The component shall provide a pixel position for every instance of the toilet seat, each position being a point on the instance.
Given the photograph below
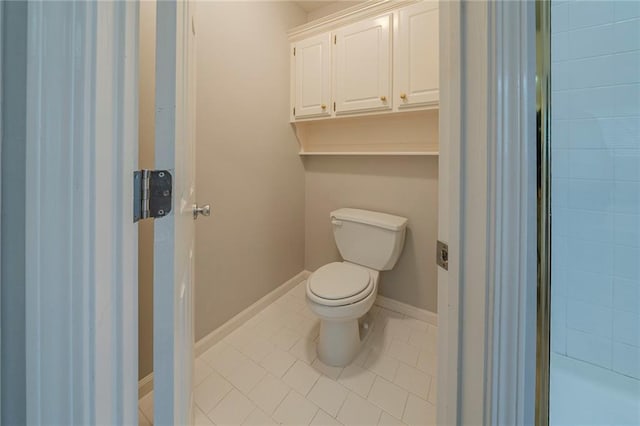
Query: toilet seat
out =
(340, 283)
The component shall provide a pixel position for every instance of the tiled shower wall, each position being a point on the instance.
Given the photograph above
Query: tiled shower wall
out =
(595, 143)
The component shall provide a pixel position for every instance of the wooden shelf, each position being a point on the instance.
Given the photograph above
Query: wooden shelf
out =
(393, 134)
(373, 153)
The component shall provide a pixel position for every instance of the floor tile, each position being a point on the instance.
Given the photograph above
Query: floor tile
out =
(260, 374)
(201, 371)
(416, 324)
(145, 404)
(213, 352)
(295, 410)
(328, 395)
(246, 375)
(387, 419)
(362, 356)
(234, 409)
(226, 361)
(398, 329)
(142, 419)
(201, 419)
(259, 418)
(305, 350)
(323, 419)
(413, 380)
(403, 352)
(419, 412)
(211, 391)
(428, 362)
(269, 393)
(358, 411)
(257, 348)
(301, 377)
(285, 339)
(391, 398)
(357, 379)
(382, 365)
(328, 370)
(278, 362)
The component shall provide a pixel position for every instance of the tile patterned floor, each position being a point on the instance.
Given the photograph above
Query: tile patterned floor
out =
(266, 373)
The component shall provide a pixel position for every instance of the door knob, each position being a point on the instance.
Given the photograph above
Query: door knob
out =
(204, 210)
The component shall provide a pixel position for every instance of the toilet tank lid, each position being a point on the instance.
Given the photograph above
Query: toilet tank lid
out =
(382, 220)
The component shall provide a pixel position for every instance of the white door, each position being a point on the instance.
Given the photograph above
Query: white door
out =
(363, 66)
(417, 56)
(173, 336)
(312, 59)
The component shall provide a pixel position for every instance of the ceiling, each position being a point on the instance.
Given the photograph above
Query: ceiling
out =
(311, 5)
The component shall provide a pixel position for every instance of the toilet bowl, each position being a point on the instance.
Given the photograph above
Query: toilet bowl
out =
(341, 293)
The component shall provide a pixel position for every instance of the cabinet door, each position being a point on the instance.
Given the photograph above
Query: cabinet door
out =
(363, 66)
(416, 60)
(313, 77)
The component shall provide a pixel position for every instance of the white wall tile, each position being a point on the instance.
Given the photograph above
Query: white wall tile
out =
(587, 194)
(590, 257)
(626, 327)
(626, 295)
(589, 347)
(626, 359)
(596, 289)
(590, 13)
(590, 225)
(624, 10)
(589, 163)
(591, 41)
(589, 318)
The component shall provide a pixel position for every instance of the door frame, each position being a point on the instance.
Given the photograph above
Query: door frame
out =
(487, 336)
(81, 242)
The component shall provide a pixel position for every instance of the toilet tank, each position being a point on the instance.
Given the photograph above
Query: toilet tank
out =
(368, 238)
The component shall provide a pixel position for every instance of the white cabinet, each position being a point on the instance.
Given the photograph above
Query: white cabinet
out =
(362, 55)
(312, 69)
(416, 56)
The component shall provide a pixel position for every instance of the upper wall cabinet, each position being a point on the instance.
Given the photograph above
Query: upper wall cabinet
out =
(312, 83)
(416, 56)
(363, 66)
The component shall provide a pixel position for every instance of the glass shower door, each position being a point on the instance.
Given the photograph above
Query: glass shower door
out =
(595, 210)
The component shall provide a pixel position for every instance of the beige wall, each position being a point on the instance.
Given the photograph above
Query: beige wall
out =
(247, 163)
(146, 134)
(406, 186)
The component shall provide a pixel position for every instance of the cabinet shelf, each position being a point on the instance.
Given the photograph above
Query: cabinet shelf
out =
(402, 133)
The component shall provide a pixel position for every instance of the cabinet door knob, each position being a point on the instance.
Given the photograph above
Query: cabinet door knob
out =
(383, 98)
(403, 96)
(323, 106)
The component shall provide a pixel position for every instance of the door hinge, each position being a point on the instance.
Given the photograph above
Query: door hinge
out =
(334, 107)
(335, 39)
(152, 194)
(294, 51)
(442, 253)
(294, 111)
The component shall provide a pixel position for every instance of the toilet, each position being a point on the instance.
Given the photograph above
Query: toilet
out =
(341, 293)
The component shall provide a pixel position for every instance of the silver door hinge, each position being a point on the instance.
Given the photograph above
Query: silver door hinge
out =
(152, 194)
(442, 253)
(294, 51)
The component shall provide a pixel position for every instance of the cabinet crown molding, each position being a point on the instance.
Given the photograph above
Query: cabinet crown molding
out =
(347, 16)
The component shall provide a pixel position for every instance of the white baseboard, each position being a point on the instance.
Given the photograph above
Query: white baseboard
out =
(225, 329)
(408, 310)
(145, 385)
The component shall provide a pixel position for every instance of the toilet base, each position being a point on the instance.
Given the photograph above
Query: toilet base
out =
(340, 341)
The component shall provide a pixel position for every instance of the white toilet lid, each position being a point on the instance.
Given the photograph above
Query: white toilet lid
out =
(337, 280)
